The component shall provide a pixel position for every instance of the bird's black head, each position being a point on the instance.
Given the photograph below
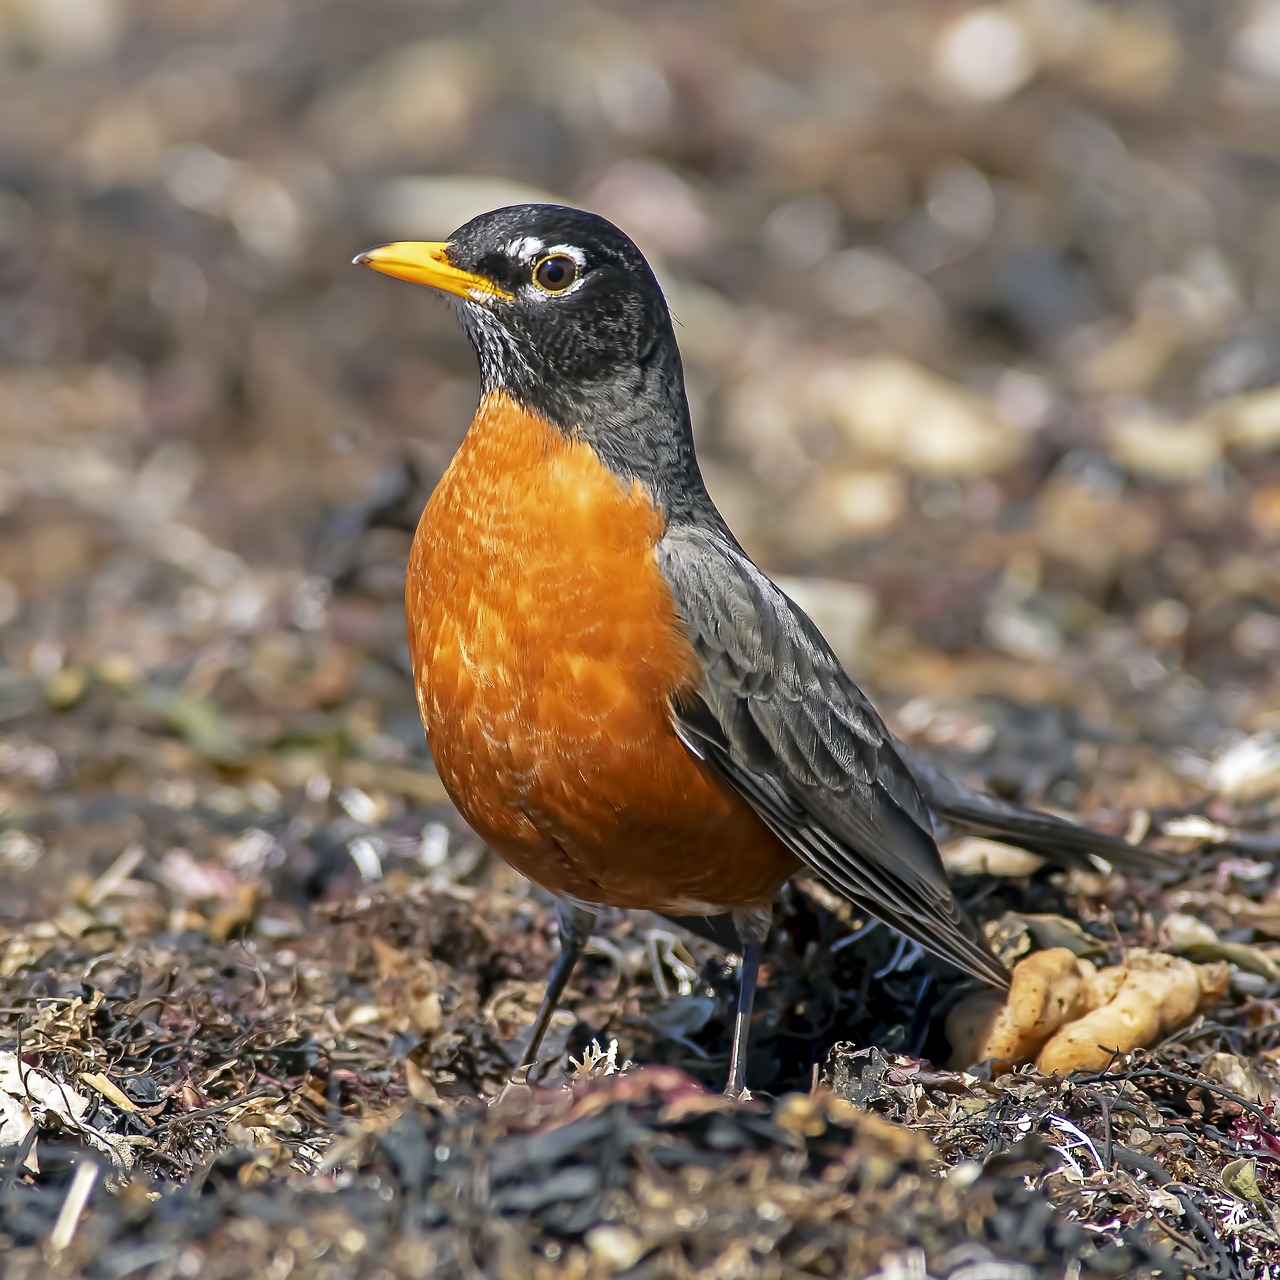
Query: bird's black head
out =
(567, 318)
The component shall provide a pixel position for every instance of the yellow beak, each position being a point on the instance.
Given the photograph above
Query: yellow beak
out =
(427, 262)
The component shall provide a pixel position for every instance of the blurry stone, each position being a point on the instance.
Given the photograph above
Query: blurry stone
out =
(873, 286)
(1058, 29)
(657, 208)
(800, 233)
(610, 80)
(1129, 360)
(65, 687)
(1264, 515)
(707, 324)
(895, 409)
(1133, 53)
(1179, 931)
(19, 851)
(853, 502)
(196, 881)
(124, 145)
(266, 215)
(1095, 526)
(1022, 399)
(430, 208)
(1249, 770)
(1021, 633)
(844, 612)
(875, 187)
(974, 856)
(984, 54)
(69, 30)
(1251, 421)
(1257, 634)
(199, 178)
(412, 104)
(178, 286)
(1042, 293)
(762, 410)
(1256, 47)
(1164, 621)
(1148, 445)
(961, 202)
(615, 1248)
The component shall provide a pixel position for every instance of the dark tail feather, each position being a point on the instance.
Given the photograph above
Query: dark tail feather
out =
(1063, 843)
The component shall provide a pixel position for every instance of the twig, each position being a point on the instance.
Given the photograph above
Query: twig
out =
(1208, 1085)
(78, 1194)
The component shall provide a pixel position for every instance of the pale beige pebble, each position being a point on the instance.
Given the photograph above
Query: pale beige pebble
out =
(266, 215)
(1179, 931)
(1256, 45)
(124, 144)
(66, 30)
(844, 504)
(1249, 770)
(1134, 54)
(1127, 361)
(661, 210)
(984, 55)
(1251, 421)
(889, 407)
(1148, 445)
(416, 101)
(1047, 990)
(1095, 530)
(431, 208)
(615, 1248)
(976, 856)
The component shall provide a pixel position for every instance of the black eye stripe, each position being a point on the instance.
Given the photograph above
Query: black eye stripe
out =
(555, 273)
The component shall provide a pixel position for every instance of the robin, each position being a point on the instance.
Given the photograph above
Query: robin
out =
(617, 699)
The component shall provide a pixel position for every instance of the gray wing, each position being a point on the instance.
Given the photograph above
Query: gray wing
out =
(1062, 843)
(783, 725)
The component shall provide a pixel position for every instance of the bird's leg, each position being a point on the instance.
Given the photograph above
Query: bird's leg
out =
(576, 924)
(753, 929)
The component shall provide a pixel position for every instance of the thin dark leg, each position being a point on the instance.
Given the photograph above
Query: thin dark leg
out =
(753, 928)
(576, 924)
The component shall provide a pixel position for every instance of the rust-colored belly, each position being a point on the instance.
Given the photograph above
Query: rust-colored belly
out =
(546, 649)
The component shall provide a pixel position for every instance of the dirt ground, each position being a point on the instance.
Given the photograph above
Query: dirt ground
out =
(980, 311)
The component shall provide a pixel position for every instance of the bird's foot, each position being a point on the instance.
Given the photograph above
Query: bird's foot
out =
(517, 1089)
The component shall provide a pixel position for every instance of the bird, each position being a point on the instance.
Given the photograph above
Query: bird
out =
(616, 698)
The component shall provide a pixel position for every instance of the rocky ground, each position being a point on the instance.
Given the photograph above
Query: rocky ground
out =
(979, 306)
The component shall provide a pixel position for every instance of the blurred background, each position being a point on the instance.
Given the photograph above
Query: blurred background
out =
(979, 309)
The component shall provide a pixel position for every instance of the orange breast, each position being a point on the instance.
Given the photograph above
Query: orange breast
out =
(546, 648)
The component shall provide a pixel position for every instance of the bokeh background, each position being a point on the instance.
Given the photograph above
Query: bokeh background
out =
(980, 306)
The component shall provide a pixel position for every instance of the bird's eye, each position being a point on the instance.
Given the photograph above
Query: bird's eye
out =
(556, 273)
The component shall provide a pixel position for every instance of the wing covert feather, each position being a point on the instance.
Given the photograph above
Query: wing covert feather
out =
(777, 717)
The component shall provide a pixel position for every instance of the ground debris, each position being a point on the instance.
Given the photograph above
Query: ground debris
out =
(977, 304)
